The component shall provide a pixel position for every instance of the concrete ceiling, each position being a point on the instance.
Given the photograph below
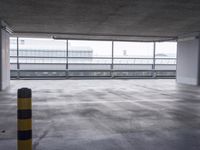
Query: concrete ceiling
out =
(102, 19)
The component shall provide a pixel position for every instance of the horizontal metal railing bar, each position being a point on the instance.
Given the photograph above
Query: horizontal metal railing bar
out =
(47, 51)
(122, 70)
(101, 70)
(89, 77)
(92, 57)
(85, 64)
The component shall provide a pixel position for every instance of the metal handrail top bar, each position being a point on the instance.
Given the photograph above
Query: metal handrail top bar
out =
(91, 64)
(88, 57)
(93, 70)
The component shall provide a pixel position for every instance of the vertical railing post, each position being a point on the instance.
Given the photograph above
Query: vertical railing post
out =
(24, 119)
(154, 61)
(18, 67)
(112, 60)
(67, 61)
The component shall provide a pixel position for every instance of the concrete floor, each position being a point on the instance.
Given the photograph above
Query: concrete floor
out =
(106, 115)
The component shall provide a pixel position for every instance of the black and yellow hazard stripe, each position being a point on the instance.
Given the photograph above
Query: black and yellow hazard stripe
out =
(24, 123)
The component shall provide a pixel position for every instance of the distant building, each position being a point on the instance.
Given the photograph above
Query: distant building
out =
(45, 51)
(161, 55)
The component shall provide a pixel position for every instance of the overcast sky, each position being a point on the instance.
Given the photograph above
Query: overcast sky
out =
(101, 48)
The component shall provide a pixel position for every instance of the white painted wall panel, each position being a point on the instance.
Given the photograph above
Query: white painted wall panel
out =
(188, 62)
(4, 60)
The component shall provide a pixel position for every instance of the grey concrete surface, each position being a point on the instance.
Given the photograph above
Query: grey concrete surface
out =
(106, 115)
(4, 59)
(188, 62)
(103, 17)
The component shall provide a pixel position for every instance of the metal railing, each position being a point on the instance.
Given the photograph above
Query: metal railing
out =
(63, 65)
(41, 67)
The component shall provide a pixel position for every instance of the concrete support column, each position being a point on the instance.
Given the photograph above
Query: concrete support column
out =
(188, 60)
(4, 58)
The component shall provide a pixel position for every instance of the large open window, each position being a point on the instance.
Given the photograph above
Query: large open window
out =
(89, 58)
(40, 57)
(166, 55)
(133, 55)
(91, 54)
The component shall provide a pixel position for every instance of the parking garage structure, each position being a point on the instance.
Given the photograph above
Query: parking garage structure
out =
(88, 97)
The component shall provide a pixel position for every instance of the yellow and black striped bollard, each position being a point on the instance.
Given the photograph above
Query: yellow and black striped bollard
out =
(24, 122)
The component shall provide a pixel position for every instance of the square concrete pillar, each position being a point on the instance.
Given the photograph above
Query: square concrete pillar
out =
(188, 60)
(4, 58)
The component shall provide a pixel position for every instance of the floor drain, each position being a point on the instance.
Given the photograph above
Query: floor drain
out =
(3, 131)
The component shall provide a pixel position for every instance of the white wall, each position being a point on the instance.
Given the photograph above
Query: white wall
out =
(4, 60)
(188, 61)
